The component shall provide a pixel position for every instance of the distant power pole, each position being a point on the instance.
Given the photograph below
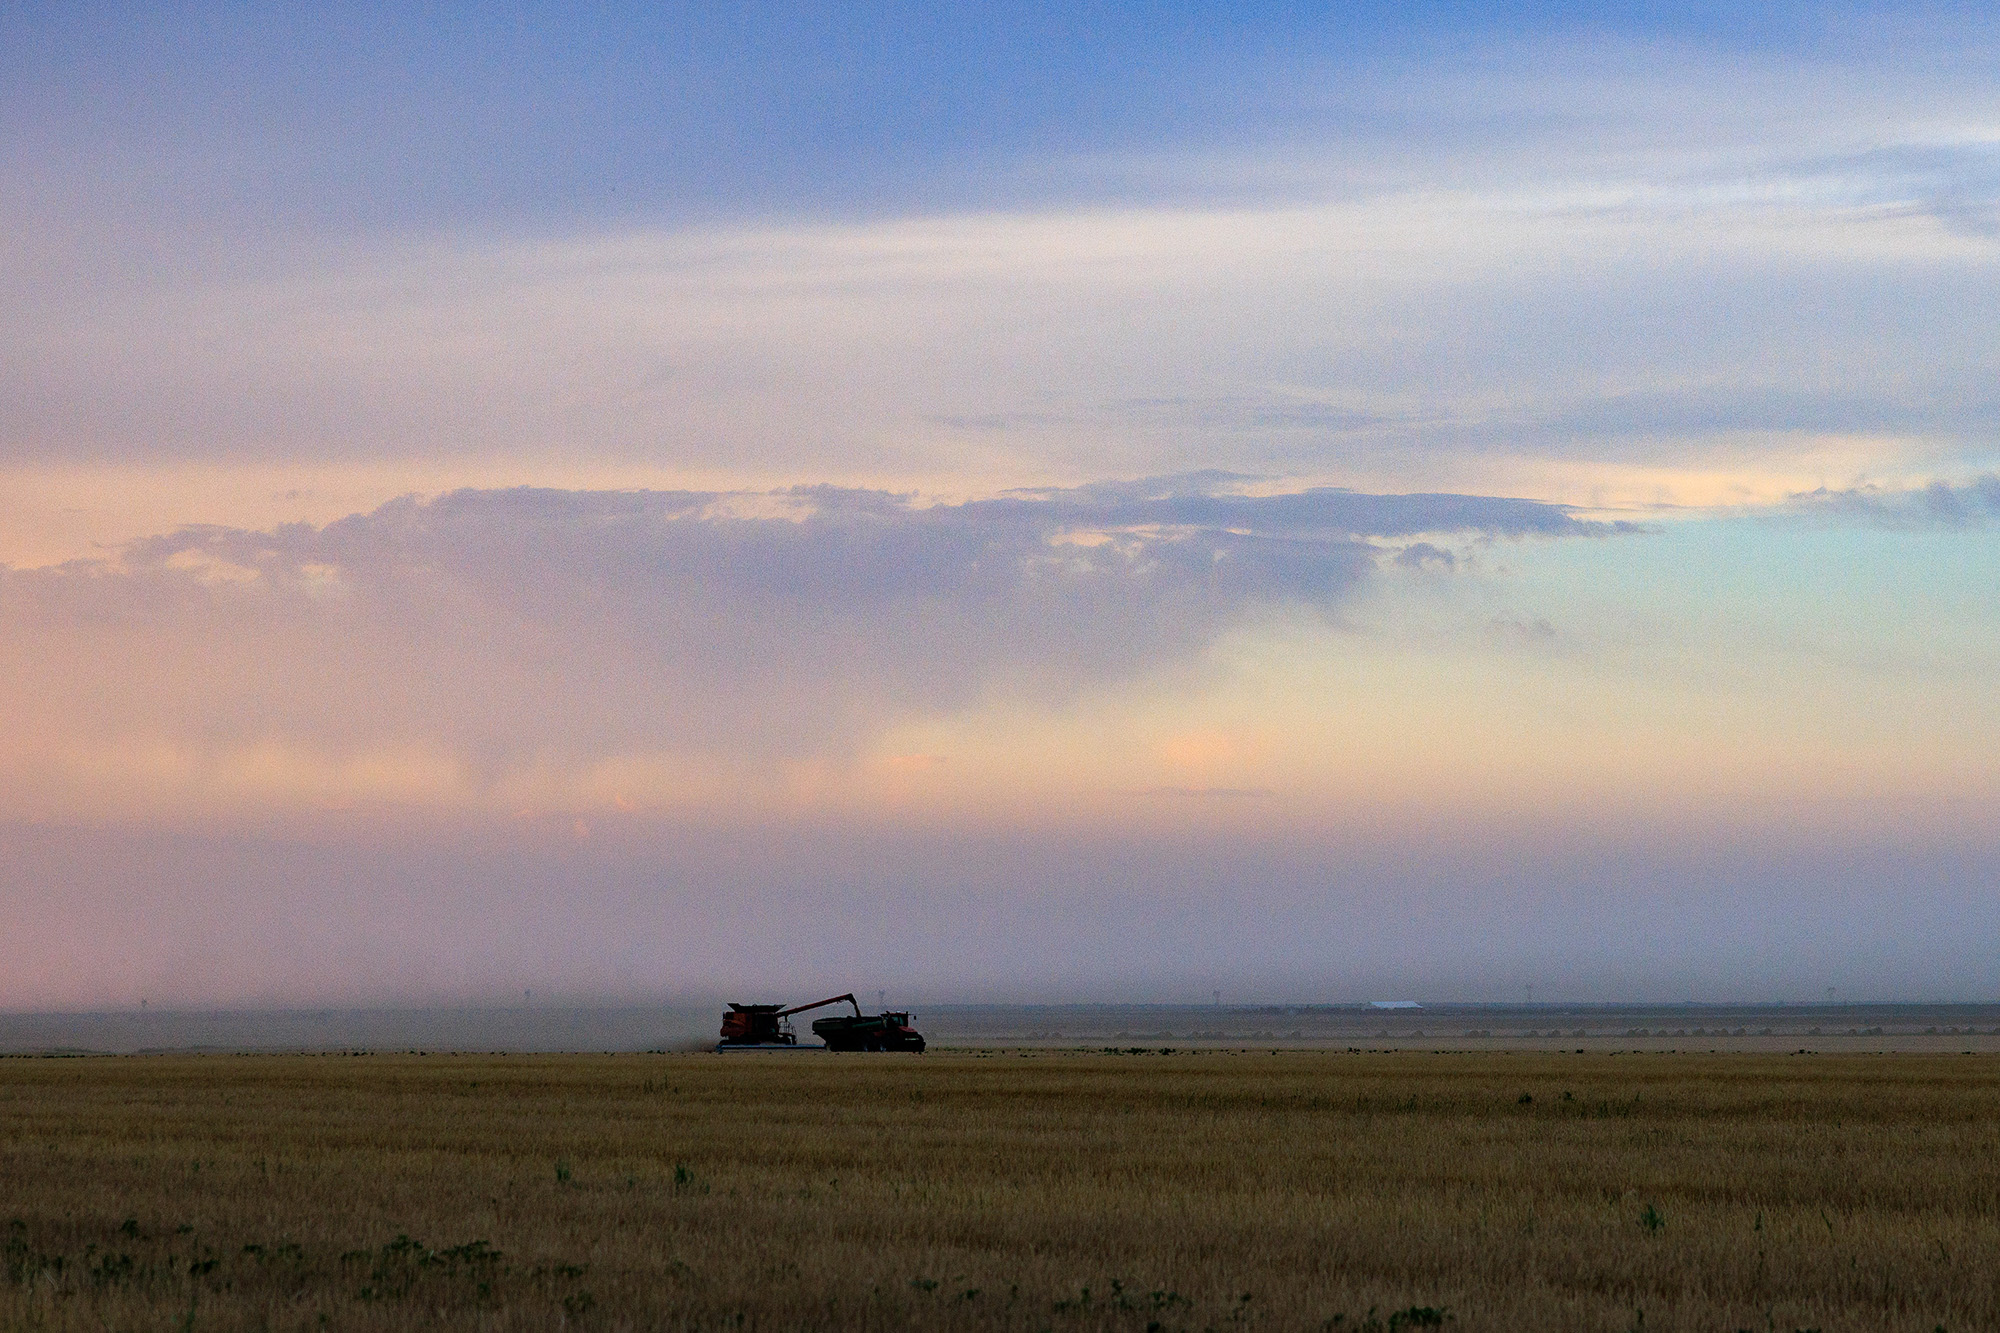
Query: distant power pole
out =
(1218, 999)
(1531, 993)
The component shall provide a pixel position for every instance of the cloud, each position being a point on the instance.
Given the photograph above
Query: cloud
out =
(1403, 339)
(1609, 423)
(1614, 241)
(1514, 631)
(1940, 504)
(1424, 555)
(484, 632)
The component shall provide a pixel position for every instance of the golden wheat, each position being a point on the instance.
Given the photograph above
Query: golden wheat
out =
(1004, 1190)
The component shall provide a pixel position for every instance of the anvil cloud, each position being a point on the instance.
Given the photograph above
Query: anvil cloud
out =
(504, 629)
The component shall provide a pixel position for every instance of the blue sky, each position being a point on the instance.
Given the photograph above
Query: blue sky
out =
(539, 116)
(1248, 476)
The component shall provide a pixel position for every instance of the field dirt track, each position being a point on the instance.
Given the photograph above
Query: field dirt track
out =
(1004, 1189)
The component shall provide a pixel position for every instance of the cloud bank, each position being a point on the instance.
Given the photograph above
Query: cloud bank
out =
(492, 630)
(1941, 504)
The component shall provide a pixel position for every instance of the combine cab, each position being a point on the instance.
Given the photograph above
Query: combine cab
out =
(882, 1032)
(751, 1027)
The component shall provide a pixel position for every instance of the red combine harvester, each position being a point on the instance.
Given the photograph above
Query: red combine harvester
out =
(750, 1027)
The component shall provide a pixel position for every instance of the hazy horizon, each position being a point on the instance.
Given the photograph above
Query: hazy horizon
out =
(551, 1027)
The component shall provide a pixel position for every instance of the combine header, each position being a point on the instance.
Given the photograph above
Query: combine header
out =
(768, 1027)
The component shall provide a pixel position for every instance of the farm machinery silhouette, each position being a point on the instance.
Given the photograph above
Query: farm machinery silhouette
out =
(751, 1027)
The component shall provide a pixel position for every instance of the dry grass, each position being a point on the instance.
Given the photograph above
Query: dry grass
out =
(1055, 1191)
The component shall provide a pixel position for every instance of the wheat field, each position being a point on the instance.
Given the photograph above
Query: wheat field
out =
(1021, 1190)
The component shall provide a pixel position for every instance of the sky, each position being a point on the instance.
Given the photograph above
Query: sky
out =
(1021, 503)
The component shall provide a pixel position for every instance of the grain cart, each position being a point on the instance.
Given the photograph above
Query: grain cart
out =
(879, 1032)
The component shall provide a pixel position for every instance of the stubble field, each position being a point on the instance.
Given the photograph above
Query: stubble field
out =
(1039, 1190)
